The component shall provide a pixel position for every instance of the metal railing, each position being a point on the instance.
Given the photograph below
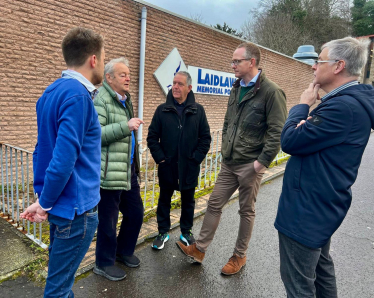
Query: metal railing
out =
(16, 190)
(209, 170)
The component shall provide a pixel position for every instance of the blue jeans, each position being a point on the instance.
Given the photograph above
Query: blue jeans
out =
(306, 272)
(70, 240)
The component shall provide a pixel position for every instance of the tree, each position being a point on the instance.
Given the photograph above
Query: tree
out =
(197, 17)
(275, 31)
(283, 25)
(363, 17)
(226, 28)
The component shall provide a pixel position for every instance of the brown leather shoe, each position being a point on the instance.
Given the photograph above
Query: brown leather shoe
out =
(192, 252)
(233, 265)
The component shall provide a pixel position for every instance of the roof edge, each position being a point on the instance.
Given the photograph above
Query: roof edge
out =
(212, 28)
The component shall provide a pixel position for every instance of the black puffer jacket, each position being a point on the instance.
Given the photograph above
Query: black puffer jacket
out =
(182, 142)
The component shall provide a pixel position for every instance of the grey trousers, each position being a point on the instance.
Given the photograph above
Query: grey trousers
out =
(230, 178)
(306, 272)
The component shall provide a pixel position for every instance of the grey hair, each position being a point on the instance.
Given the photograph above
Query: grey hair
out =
(187, 75)
(109, 67)
(353, 51)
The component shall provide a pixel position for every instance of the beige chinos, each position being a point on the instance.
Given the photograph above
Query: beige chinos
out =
(230, 178)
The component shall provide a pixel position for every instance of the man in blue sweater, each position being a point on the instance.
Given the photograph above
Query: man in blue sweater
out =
(326, 147)
(66, 160)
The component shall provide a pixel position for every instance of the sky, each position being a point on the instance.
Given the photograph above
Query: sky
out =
(233, 12)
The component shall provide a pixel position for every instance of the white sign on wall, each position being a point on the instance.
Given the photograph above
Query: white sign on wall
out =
(204, 81)
(166, 71)
(208, 81)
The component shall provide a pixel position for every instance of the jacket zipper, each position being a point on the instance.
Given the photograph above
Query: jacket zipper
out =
(106, 165)
(180, 127)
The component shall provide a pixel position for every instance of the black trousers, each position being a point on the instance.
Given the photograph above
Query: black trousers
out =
(131, 206)
(163, 210)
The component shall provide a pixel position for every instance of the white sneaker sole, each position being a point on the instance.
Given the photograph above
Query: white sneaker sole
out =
(163, 244)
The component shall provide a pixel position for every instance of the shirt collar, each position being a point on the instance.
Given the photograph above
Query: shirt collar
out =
(336, 90)
(69, 73)
(252, 82)
(120, 97)
(180, 104)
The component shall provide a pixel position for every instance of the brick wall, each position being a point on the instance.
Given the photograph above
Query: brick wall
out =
(30, 36)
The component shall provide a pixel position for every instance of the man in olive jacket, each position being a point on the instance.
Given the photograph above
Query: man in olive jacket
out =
(119, 188)
(179, 139)
(255, 115)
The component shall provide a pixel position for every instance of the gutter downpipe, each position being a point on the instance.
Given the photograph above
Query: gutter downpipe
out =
(141, 79)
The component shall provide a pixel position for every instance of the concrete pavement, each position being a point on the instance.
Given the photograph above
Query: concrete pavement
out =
(15, 250)
(149, 228)
(168, 273)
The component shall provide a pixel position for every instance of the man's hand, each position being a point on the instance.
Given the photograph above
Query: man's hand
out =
(310, 95)
(34, 213)
(303, 121)
(258, 166)
(134, 123)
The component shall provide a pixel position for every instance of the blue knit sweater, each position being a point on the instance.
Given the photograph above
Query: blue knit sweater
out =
(66, 160)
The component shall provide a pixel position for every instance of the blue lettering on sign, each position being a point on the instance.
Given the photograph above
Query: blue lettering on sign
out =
(199, 78)
(214, 80)
(207, 81)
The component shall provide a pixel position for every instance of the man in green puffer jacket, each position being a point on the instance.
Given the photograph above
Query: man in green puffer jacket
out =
(119, 187)
(253, 123)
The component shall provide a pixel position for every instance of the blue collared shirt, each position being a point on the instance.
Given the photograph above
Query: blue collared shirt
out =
(336, 90)
(122, 99)
(252, 82)
(69, 73)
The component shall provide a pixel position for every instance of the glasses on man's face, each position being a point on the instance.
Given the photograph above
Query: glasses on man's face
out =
(316, 62)
(236, 62)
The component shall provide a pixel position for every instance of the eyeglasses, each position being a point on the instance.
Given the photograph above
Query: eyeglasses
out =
(316, 62)
(236, 62)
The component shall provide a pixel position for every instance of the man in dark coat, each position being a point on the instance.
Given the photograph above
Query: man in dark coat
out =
(326, 147)
(179, 139)
(256, 112)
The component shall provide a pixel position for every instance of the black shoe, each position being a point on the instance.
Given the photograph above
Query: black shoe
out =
(160, 240)
(113, 273)
(187, 238)
(129, 261)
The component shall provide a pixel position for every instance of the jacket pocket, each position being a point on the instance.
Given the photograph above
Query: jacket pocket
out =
(165, 173)
(193, 172)
(255, 116)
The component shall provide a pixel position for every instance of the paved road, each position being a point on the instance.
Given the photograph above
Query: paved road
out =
(168, 273)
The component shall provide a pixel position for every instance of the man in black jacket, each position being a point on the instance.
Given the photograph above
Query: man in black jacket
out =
(179, 139)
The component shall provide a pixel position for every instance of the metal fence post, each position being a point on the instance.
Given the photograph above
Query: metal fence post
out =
(11, 182)
(2, 178)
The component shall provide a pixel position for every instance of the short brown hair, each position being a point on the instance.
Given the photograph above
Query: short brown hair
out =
(80, 43)
(251, 51)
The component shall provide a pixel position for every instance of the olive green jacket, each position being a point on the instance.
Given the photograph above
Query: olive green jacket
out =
(115, 139)
(252, 129)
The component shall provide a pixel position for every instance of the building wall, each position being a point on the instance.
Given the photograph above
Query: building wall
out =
(30, 37)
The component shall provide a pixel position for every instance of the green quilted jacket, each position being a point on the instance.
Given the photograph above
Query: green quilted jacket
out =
(115, 140)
